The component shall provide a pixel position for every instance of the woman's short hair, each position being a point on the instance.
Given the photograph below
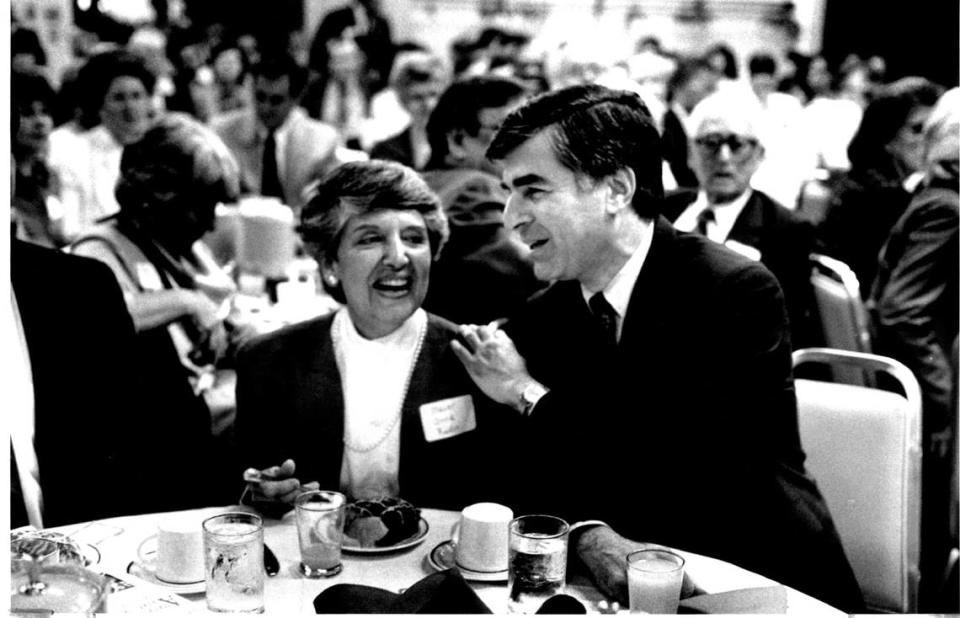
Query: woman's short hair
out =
(178, 163)
(886, 114)
(358, 188)
(96, 76)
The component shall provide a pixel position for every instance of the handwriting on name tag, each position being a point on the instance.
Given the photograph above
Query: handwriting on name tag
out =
(447, 418)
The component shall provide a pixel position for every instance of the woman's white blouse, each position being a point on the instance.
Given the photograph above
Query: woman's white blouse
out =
(375, 375)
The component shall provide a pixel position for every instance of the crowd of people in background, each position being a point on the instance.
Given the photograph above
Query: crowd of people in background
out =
(124, 156)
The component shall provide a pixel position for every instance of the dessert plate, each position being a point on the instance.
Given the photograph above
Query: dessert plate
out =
(410, 541)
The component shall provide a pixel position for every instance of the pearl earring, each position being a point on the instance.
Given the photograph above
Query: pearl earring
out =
(332, 280)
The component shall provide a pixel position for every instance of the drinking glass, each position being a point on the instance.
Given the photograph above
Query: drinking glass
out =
(320, 518)
(537, 561)
(654, 577)
(233, 552)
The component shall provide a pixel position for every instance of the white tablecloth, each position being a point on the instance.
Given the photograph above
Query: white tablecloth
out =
(290, 593)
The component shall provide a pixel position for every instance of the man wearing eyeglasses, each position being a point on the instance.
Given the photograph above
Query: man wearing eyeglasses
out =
(726, 151)
(279, 148)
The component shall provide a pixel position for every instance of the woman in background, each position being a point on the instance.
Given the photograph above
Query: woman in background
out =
(171, 182)
(885, 155)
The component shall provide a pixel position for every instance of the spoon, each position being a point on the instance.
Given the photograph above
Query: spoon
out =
(270, 563)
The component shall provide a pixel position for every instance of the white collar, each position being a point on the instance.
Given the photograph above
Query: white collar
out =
(726, 215)
(620, 288)
(404, 338)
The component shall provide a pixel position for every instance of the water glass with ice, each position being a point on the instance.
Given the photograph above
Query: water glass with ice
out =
(320, 518)
(233, 559)
(654, 578)
(537, 567)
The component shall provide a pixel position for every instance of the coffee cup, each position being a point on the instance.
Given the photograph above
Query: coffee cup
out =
(482, 537)
(179, 551)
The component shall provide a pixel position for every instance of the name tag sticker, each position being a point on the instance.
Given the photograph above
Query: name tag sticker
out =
(147, 277)
(447, 418)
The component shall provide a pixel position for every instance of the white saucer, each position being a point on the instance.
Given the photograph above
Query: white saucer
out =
(146, 570)
(443, 557)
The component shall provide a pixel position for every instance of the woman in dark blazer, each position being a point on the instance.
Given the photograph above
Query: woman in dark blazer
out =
(369, 400)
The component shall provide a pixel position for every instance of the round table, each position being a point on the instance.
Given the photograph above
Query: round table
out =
(289, 593)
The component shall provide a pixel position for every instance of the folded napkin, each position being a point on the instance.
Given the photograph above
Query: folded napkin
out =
(766, 600)
(445, 592)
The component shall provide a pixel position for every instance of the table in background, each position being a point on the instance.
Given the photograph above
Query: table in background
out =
(290, 593)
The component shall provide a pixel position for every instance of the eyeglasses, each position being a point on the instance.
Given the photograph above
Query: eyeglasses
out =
(713, 142)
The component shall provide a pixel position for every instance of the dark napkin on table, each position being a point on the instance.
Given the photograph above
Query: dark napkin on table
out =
(445, 592)
(765, 600)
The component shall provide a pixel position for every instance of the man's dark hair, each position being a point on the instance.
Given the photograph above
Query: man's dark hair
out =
(595, 132)
(460, 105)
(280, 65)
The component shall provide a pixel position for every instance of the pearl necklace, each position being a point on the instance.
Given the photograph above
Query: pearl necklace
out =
(348, 442)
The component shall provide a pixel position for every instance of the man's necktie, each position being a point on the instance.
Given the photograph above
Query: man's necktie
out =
(270, 180)
(706, 217)
(606, 317)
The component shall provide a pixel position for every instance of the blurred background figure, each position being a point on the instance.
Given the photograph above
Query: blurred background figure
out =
(728, 147)
(232, 80)
(418, 80)
(36, 210)
(350, 59)
(117, 87)
(280, 150)
(885, 156)
(789, 158)
(690, 83)
(171, 182)
(725, 64)
(914, 303)
(483, 273)
(829, 120)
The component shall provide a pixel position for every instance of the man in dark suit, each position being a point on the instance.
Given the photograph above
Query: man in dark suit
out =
(727, 150)
(80, 346)
(656, 371)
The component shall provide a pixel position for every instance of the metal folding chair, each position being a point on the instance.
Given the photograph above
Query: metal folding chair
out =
(863, 447)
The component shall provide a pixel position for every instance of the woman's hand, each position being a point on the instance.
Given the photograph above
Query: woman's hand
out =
(278, 484)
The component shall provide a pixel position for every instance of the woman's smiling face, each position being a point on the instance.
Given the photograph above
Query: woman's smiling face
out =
(383, 265)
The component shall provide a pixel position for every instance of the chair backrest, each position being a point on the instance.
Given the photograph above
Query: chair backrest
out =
(843, 317)
(813, 199)
(863, 447)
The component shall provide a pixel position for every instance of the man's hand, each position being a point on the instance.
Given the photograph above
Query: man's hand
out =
(494, 363)
(277, 483)
(604, 553)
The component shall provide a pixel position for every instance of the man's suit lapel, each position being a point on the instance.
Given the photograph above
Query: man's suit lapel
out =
(749, 225)
(653, 289)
